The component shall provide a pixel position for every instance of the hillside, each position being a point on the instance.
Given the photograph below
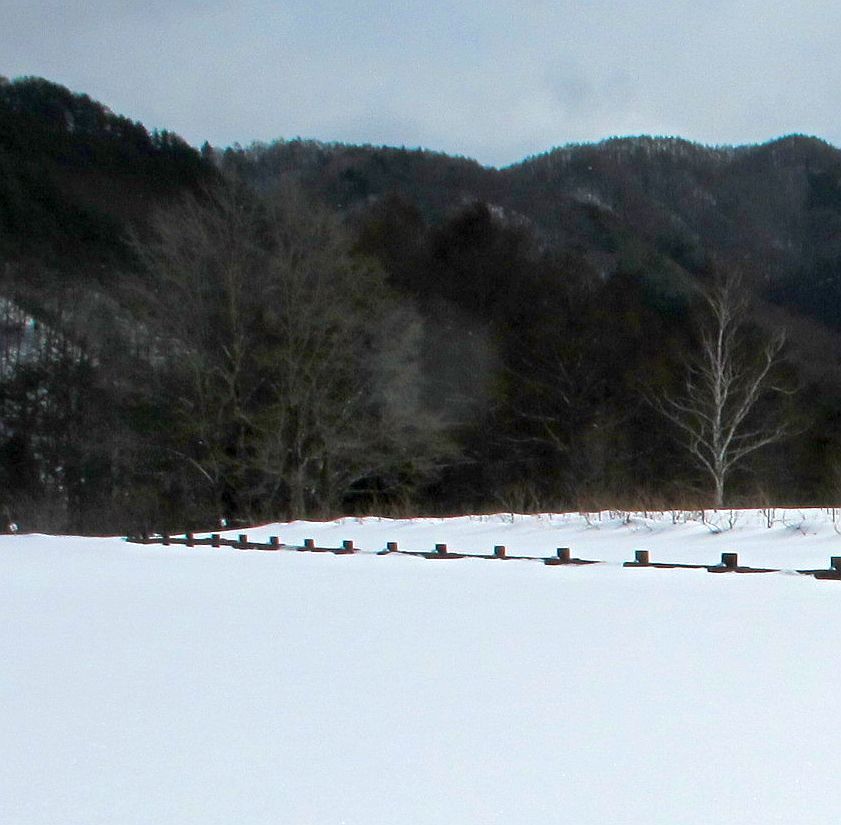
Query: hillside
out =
(498, 333)
(646, 203)
(75, 174)
(772, 209)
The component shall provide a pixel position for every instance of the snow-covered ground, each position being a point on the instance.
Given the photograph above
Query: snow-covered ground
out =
(795, 539)
(144, 684)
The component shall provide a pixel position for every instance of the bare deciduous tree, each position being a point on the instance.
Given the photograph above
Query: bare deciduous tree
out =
(299, 365)
(717, 410)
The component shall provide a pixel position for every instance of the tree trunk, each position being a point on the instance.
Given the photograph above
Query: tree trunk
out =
(718, 495)
(296, 494)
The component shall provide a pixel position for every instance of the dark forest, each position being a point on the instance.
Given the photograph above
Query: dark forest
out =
(305, 329)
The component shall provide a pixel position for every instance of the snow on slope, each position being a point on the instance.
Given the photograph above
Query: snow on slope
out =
(142, 684)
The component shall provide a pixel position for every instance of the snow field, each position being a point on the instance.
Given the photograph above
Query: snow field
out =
(141, 684)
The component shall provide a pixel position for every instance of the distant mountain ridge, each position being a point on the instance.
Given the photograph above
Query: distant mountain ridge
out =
(73, 169)
(75, 177)
(544, 296)
(773, 209)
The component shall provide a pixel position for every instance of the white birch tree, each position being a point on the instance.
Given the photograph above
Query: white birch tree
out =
(717, 409)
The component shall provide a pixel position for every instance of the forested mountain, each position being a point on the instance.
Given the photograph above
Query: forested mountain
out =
(773, 210)
(305, 328)
(73, 172)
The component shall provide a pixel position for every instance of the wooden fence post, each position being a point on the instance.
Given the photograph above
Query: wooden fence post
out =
(441, 549)
(730, 560)
(309, 544)
(499, 551)
(274, 542)
(347, 545)
(165, 538)
(641, 556)
(242, 540)
(189, 540)
(835, 563)
(214, 539)
(391, 546)
(564, 555)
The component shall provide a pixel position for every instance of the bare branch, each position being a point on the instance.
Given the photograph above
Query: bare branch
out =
(722, 388)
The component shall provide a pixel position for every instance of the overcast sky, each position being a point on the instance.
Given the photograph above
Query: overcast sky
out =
(491, 79)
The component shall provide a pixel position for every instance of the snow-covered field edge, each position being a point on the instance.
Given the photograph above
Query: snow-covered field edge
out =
(152, 685)
(782, 538)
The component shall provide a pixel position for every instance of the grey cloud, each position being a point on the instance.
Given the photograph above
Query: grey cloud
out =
(570, 87)
(34, 20)
(494, 79)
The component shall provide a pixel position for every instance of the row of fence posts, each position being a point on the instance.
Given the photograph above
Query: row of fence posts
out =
(563, 555)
